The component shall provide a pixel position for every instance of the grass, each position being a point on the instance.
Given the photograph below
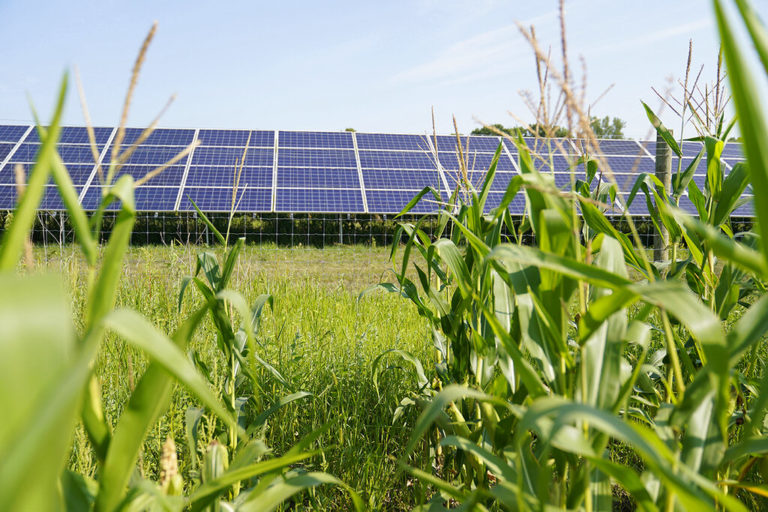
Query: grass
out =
(319, 336)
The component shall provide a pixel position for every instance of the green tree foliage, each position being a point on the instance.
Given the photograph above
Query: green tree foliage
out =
(608, 127)
(604, 128)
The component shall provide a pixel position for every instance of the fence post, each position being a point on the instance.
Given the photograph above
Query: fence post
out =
(664, 174)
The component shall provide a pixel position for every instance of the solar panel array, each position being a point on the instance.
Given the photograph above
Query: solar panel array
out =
(316, 172)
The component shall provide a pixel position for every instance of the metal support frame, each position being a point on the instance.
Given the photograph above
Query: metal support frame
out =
(95, 169)
(274, 171)
(186, 173)
(15, 148)
(360, 172)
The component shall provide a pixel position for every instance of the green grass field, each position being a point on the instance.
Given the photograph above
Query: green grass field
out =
(319, 336)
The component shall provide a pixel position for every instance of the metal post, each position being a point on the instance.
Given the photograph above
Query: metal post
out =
(664, 174)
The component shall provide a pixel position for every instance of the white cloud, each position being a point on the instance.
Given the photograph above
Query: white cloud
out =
(654, 37)
(484, 55)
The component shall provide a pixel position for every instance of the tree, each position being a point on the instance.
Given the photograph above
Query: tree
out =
(555, 131)
(604, 128)
(349, 130)
(607, 128)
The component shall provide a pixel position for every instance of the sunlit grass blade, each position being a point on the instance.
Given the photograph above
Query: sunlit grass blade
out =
(749, 105)
(24, 214)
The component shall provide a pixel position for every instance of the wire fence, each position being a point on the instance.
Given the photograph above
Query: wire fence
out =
(282, 229)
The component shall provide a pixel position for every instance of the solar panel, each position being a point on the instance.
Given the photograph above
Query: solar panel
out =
(75, 135)
(319, 200)
(12, 133)
(733, 150)
(50, 200)
(691, 148)
(225, 176)
(307, 177)
(449, 143)
(78, 173)
(700, 169)
(731, 162)
(392, 141)
(229, 157)
(160, 137)
(476, 161)
(516, 207)
(220, 199)
(316, 158)
(394, 179)
(70, 153)
(619, 147)
(393, 201)
(236, 138)
(396, 160)
(316, 140)
(169, 177)
(5, 149)
(146, 198)
(555, 146)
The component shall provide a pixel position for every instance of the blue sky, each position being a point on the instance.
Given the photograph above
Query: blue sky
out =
(374, 66)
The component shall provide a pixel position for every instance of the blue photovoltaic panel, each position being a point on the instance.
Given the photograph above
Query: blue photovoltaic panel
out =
(553, 164)
(160, 137)
(618, 147)
(396, 160)
(691, 148)
(449, 144)
(225, 176)
(50, 201)
(476, 161)
(631, 164)
(649, 145)
(701, 169)
(394, 179)
(625, 182)
(12, 133)
(169, 177)
(563, 179)
(516, 206)
(236, 138)
(150, 155)
(78, 173)
(393, 201)
(70, 153)
(5, 148)
(292, 177)
(229, 157)
(316, 140)
(75, 135)
(220, 199)
(545, 147)
(159, 199)
(746, 210)
(319, 200)
(731, 162)
(733, 150)
(687, 206)
(477, 179)
(392, 141)
(316, 158)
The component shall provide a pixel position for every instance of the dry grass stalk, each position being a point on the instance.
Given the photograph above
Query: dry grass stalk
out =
(21, 187)
(120, 135)
(88, 125)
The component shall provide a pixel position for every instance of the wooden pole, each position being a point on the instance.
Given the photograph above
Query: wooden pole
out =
(664, 174)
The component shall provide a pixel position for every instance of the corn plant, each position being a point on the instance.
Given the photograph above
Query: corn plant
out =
(554, 358)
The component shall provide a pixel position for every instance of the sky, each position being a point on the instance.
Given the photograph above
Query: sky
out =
(331, 65)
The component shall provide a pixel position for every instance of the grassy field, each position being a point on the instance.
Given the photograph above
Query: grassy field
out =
(319, 336)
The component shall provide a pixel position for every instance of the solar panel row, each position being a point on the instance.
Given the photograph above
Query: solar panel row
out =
(288, 171)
